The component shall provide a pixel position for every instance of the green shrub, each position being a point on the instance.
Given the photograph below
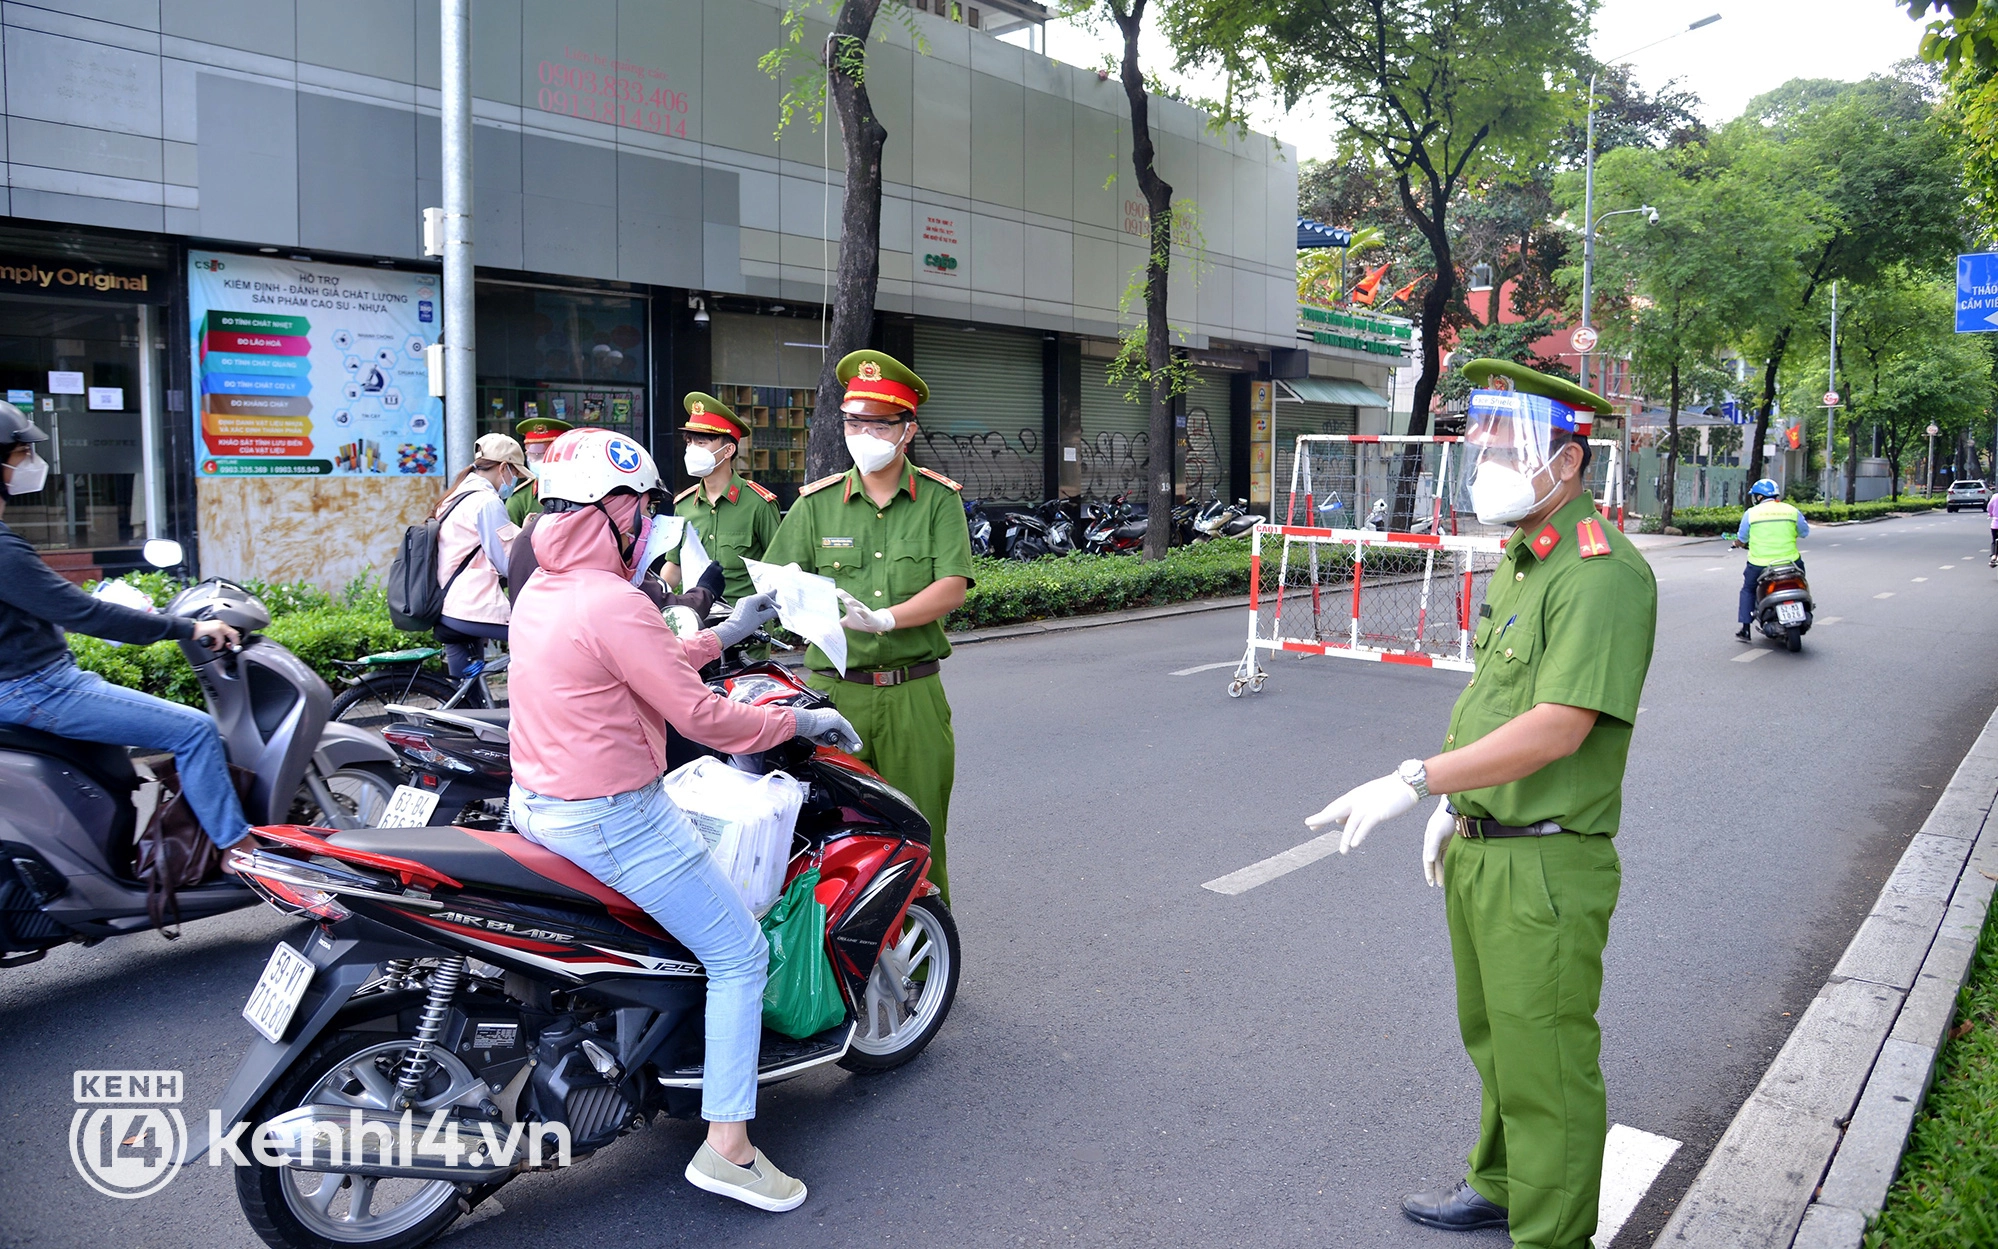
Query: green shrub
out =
(1012, 591)
(1724, 520)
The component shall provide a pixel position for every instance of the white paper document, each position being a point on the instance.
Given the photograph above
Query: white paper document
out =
(807, 604)
(694, 561)
(663, 539)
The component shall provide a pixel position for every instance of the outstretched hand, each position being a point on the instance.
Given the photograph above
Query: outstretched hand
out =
(1357, 810)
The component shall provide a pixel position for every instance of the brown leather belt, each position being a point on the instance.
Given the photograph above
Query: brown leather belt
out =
(1468, 827)
(896, 676)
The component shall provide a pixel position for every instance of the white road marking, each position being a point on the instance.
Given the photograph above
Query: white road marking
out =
(1888, 594)
(1187, 672)
(1750, 657)
(1828, 620)
(1632, 1160)
(1713, 570)
(1276, 865)
(1921, 579)
(1946, 567)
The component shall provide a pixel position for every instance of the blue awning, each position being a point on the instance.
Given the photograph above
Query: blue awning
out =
(1317, 234)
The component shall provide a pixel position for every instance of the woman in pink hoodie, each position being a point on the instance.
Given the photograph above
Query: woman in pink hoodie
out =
(596, 677)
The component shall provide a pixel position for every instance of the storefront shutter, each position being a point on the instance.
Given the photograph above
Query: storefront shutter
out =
(1293, 419)
(982, 425)
(1207, 436)
(1116, 435)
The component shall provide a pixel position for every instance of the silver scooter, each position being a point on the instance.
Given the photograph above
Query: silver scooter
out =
(68, 820)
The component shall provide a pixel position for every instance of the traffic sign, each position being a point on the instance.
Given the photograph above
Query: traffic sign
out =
(1584, 338)
(1977, 293)
(1831, 398)
(1731, 409)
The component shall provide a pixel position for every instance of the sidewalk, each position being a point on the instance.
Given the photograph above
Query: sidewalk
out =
(1810, 1155)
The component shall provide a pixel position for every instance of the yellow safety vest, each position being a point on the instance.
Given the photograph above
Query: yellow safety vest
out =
(1772, 533)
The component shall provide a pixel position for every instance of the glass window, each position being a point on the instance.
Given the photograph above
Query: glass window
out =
(579, 356)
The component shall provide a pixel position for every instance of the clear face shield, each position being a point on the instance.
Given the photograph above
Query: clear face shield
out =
(1511, 441)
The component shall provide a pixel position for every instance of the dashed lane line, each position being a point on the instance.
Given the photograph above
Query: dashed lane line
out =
(1187, 672)
(1828, 620)
(1750, 657)
(1918, 580)
(1267, 870)
(1887, 594)
(1632, 1161)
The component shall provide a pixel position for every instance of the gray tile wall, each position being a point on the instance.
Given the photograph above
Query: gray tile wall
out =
(313, 124)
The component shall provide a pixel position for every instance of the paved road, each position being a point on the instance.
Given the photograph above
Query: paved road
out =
(1134, 1060)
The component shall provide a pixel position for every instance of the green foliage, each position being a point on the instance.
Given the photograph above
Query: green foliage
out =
(1946, 1193)
(801, 66)
(1727, 520)
(1964, 40)
(1012, 591)
(1505, 340)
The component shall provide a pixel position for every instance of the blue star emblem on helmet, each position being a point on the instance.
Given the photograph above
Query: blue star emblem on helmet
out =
(623, 456)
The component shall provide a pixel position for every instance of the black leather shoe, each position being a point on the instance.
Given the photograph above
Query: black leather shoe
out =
(1458, 1209)
(1741, 634)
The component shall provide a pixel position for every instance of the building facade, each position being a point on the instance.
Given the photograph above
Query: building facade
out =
(213, 288)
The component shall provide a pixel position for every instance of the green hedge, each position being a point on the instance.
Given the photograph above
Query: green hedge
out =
(318, 627)
(1723, 520)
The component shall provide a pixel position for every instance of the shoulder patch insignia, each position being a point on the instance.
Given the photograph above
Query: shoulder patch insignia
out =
(939, 477)
(1545, 541)
(1590, 538)
(688, 491)
(820, 484)
(767, 496)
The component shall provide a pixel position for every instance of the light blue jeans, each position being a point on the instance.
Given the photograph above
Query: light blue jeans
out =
(644, 847)
(65, 700)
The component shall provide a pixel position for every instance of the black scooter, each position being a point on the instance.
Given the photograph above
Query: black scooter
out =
(68, 821)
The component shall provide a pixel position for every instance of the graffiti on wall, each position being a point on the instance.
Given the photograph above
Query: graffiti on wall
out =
(1113, 463)
(988, 464)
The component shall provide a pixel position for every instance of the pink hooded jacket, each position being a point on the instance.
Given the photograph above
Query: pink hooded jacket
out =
(596, 674)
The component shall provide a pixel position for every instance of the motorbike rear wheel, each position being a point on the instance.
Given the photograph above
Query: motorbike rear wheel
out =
(363, 790)
(364, 704)
(1793, 637)
(294, 1209)
(910, 992)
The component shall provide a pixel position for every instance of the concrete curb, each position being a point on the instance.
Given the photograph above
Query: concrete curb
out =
(1810, 1155)
(1065, 624)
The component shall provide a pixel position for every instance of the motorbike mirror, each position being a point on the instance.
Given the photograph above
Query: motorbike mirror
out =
(162, 552)
(683, 621)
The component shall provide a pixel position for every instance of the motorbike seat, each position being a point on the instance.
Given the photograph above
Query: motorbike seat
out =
(468, 857)
(109, 765)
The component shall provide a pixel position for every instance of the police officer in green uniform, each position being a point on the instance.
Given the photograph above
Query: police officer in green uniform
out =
(735, 517)
(1533, 765)
(535, 434)
(893, 539)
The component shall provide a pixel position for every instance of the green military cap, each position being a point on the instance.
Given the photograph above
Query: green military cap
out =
(709, 415)
(540, 429)
(1534, 382)
(881, 377)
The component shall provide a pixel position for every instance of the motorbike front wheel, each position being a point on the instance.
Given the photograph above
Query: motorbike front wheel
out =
(292, 1208)
(910, 992)
(363, 791)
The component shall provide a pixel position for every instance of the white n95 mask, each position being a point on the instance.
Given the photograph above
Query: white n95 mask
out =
(700, 462)
(871, 454)
(29, 476)
(1501, 494)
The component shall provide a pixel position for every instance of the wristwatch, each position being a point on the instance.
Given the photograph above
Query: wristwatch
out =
(1416, 776)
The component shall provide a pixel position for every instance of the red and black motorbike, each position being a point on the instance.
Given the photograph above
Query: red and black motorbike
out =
(491, 1000)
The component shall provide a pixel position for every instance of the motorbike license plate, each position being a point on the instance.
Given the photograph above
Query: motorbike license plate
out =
(278, 992)
(409, 808)
(1789, 613)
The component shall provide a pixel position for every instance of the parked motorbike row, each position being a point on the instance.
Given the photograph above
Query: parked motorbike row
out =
(1062, 526)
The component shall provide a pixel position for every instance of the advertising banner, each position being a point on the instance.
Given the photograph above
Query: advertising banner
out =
(311, 370)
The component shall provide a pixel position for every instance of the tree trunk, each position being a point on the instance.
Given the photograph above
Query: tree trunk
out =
(1851, 457)
(1158, 331)
(859, 233)
(1767, 408)
(1435, 301)
(1672, 460)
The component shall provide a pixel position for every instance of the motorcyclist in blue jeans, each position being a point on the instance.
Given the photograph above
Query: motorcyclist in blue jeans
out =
(42, 688)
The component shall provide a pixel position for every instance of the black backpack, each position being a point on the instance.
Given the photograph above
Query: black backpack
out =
(415, 598)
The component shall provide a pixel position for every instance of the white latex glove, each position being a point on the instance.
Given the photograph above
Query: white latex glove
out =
(1360, 808)
(1442, 827)
(862, 619)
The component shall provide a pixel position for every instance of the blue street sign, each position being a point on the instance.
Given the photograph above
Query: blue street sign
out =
(1731, 409)
(1977, 293)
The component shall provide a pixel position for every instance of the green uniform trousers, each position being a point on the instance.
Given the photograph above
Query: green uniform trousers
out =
(1529, 917)
(905, 735)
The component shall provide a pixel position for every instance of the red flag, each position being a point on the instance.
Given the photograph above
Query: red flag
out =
(1363, 290)
(1796, 438)
(1401, 296)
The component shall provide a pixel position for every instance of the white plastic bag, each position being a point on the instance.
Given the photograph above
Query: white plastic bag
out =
(747, 821)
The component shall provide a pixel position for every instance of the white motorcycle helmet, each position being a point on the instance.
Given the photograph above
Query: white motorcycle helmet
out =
(586, 466)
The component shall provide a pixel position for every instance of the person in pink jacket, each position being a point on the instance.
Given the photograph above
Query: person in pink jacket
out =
(597, 676)
(1991, 510)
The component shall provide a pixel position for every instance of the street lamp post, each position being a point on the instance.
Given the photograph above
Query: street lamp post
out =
(1933, 431)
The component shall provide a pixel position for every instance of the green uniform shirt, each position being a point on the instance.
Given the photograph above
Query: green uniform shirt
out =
(526, 501)
(738, 525)
(882, 556)
(1561, 626)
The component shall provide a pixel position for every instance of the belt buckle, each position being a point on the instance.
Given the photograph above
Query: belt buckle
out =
(1463, 825)
(893, 677)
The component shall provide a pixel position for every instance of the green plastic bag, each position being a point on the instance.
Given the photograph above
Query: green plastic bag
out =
(800, 999)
